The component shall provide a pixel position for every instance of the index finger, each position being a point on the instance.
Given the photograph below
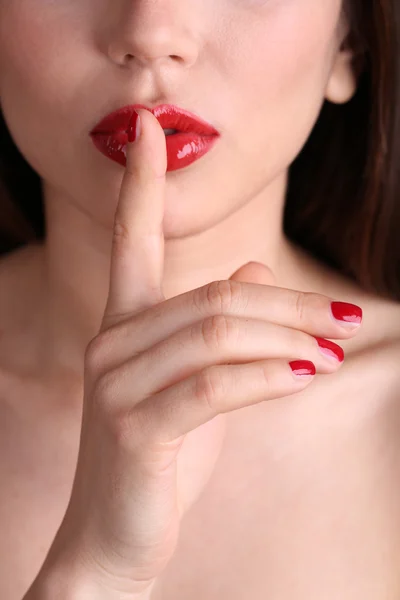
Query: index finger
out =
(137, 255)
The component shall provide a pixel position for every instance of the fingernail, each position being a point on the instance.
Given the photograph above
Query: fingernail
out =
(134, 127)
(347, 314)
(330, 349)
(302, 368)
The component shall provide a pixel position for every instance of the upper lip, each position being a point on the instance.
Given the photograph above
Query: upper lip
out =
(168, 115)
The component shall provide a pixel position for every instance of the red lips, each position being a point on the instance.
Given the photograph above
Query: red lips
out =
(169, 117)
(195, 137)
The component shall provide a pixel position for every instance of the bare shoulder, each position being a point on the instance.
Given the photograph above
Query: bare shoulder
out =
(380, 330)
(381, 315)
(371, 368)
(16, 268)
(19, 296)
(17, 274)
(369, 380)
(366, 389)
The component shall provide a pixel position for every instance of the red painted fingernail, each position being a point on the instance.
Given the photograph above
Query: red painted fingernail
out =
(134, 127)
(330, 349)
(302, 367)
(347, 313)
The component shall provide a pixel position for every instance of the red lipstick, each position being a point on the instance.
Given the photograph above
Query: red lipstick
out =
(192, 140)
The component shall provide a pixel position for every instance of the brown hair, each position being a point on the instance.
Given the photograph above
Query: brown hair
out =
(341, 203)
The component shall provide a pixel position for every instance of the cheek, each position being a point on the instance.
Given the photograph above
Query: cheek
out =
(282, 68)
(25, 45)
(299, 48)
(39, 77)
(272, 56)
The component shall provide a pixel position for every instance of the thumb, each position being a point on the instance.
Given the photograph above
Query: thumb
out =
(254, 272)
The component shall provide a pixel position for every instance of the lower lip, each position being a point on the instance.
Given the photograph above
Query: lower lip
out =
(182, 148)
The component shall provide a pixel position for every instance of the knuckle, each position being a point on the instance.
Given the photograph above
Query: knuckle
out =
(120, 237)
(128, 426)
(299, 343)
(222, 296)
(266, 378)
(120, 232)
(307, 303)
(105, 393)
(300, 305)
(220, 332)
(98, 351)
(210, 388)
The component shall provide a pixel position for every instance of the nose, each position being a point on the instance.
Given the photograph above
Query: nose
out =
(149, 32)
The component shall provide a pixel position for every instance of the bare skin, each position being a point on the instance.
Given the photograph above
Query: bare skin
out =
(310, 480)
(303, 501)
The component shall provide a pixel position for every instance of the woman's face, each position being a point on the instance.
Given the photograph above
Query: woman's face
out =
(257, 70)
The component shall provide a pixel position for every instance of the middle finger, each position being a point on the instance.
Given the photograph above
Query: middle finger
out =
(304, 311)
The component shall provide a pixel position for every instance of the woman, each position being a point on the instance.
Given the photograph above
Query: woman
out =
(176, 419)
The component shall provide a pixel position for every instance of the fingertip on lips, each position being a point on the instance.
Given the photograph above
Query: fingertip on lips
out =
(193, 138)
(135, 127)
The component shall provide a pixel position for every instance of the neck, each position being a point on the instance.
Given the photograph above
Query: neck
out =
(76, 263)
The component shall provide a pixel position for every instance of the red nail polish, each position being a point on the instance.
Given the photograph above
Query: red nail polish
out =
(302, 367)
(348, 313)
(132, 127)
(330, 349)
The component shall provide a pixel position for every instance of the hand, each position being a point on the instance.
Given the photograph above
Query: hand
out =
(158, 374)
